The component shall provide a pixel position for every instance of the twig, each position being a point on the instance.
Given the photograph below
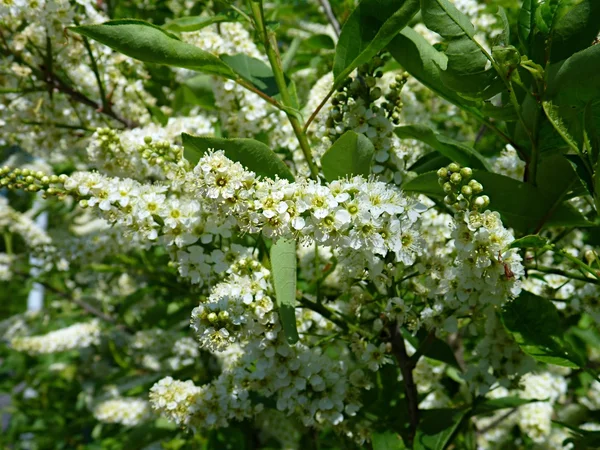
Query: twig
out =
(406, 365)
(564, 273)
(330, 16)
(497, 422)
(85, 306)
(316, 111)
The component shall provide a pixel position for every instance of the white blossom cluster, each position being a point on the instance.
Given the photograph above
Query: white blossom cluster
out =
(79, 335)
(125, 411)
(546, 390)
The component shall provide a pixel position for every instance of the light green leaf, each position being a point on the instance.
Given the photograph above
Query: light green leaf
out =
(350, 155)
(437, 428)
(253, 70)
(454, 150)
(149, 43)
(387, 440)
(535, 325)
(466, 70)
(420, 59)
(490, 405)
(531, 241)
(195, 23)
(283, 269)
(554, 117)
(253, 155)
(370, 27)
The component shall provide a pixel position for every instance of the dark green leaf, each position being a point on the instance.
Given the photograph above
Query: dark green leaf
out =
(535, 325)
(350, 155)
(149, 43)
(437, 428)
(526, 22)
(522, 206)
(582, 172)
(428, 162)
(574, 26)
(195, 23)
(575, 81)
(531, 241)
(370, 27)
(283, 268)
(387, 441)
(454, 150)
(253, 155)
(489, 405)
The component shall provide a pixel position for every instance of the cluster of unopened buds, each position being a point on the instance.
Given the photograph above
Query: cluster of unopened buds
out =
(462, 191)
(29, 180)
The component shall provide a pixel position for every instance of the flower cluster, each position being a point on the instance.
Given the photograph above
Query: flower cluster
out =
(80, 335)
(125, 411)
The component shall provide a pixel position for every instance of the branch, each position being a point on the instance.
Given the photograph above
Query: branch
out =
(85, 306)
(330, 16)
(406, 365)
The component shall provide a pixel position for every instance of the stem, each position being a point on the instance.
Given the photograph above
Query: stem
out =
(316, 111)
(270, 44)
(564, 273)
(406, 365)
(330, 16)
(325, 312)
(105, 103)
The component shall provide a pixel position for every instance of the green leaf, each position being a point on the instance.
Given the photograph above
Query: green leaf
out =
(535, 325)
(490, 405)
(466, 70)
(454, 150)
(437, 428)
(350, 155)
(522, 206)
(149, 43)
(253, 155)
(582, 172)
(283, 268)
(195, 23)
(319, 42)
(428, 162)
(575, 81)
(554, 117)
(420, 59)
(432, 348)
(387, 441)
(195, 91)
(370, 27)
(526, 22)
(253, 70)
(531, 241)
(574, 26)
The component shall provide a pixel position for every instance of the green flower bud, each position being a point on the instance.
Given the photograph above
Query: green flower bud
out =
(466, 190)
(453, 167)
(447, 187)
(455, 178)
(466, 172)
(442, 173)
(450, 199)
(148, 139)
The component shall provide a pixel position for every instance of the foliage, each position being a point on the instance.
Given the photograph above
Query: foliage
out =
(309, 224)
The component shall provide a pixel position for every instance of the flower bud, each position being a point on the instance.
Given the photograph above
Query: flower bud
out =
(450, 199)
(442, 173)
(212, 317)
(466, 190)
(466, 172)
(447, 187)
(453, 167)
(455, 178)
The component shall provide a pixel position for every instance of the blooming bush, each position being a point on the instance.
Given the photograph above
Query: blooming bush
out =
(309, 224)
